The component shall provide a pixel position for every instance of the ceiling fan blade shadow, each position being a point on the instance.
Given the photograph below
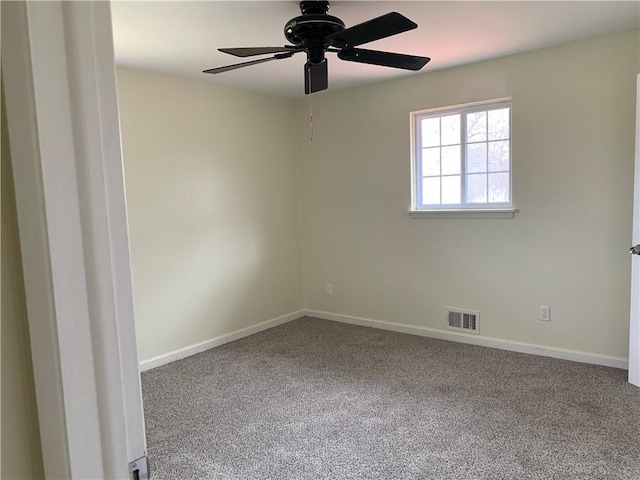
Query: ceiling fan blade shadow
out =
(252, 51)
(385, 59)
(235, 66)
(381, 27)
(316, 77)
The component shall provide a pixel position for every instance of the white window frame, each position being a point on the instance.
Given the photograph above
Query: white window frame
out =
(462, 210)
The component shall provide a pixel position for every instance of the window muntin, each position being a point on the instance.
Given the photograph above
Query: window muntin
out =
(462, 157)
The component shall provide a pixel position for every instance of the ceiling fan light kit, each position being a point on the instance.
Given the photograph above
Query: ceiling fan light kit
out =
(315, 32)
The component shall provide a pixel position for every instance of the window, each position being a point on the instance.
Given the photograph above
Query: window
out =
(462, 157)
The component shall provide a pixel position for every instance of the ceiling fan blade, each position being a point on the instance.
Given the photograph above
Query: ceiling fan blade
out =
(316, 77)
(385, 59)
(246, 64)
(251, 51)
(375, 29)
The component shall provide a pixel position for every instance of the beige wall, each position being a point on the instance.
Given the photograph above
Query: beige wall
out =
(213, 204)
(20, 435)
(213, 209)
(573, 140)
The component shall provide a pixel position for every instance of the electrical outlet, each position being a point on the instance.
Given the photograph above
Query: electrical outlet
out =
(545, 313)
(328, 289)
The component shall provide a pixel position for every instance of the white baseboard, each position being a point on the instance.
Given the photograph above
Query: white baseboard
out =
(562, 353)
(214, 342)
(521, 347)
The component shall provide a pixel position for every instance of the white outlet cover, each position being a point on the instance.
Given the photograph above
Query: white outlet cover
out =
(545, 313)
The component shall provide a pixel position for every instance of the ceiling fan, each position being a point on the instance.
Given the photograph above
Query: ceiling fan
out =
(315, 32)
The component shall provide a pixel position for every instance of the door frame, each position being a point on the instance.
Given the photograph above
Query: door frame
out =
(634, 321)
(64, 131)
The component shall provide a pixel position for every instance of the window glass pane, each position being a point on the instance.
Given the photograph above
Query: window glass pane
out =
(499, 124)
(476, 126)
(451, 189)
(430, 128)
(477, 157)
(451, 160)
(498, 187)
(477, 188)
(450, 126)
(431, 191)
(463, 157)
(499, 156)
(430, 161)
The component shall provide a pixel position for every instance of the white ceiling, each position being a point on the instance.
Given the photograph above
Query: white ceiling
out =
(180, 38)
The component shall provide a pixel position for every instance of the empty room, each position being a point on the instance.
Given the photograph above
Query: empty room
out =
(361, 240)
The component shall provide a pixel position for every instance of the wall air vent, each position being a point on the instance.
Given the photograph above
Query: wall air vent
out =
(463, 320)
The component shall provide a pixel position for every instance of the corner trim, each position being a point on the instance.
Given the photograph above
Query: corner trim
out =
(217, 341)
(520, 347)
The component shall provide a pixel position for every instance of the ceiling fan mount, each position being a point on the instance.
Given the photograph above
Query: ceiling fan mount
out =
(314, 7)
(315, 32)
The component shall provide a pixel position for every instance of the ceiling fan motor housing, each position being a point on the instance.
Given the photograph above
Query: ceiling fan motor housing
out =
(310, 29)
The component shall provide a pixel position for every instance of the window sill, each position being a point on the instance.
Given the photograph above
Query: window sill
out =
(506, 213)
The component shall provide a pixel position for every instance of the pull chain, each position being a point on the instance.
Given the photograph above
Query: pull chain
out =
(310, 120)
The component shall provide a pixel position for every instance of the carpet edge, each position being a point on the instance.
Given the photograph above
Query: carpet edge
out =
(502, 344)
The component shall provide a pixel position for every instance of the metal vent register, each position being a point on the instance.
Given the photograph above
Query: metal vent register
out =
(465, 320)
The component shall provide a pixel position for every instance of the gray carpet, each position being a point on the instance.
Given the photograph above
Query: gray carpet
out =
(314, 399)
